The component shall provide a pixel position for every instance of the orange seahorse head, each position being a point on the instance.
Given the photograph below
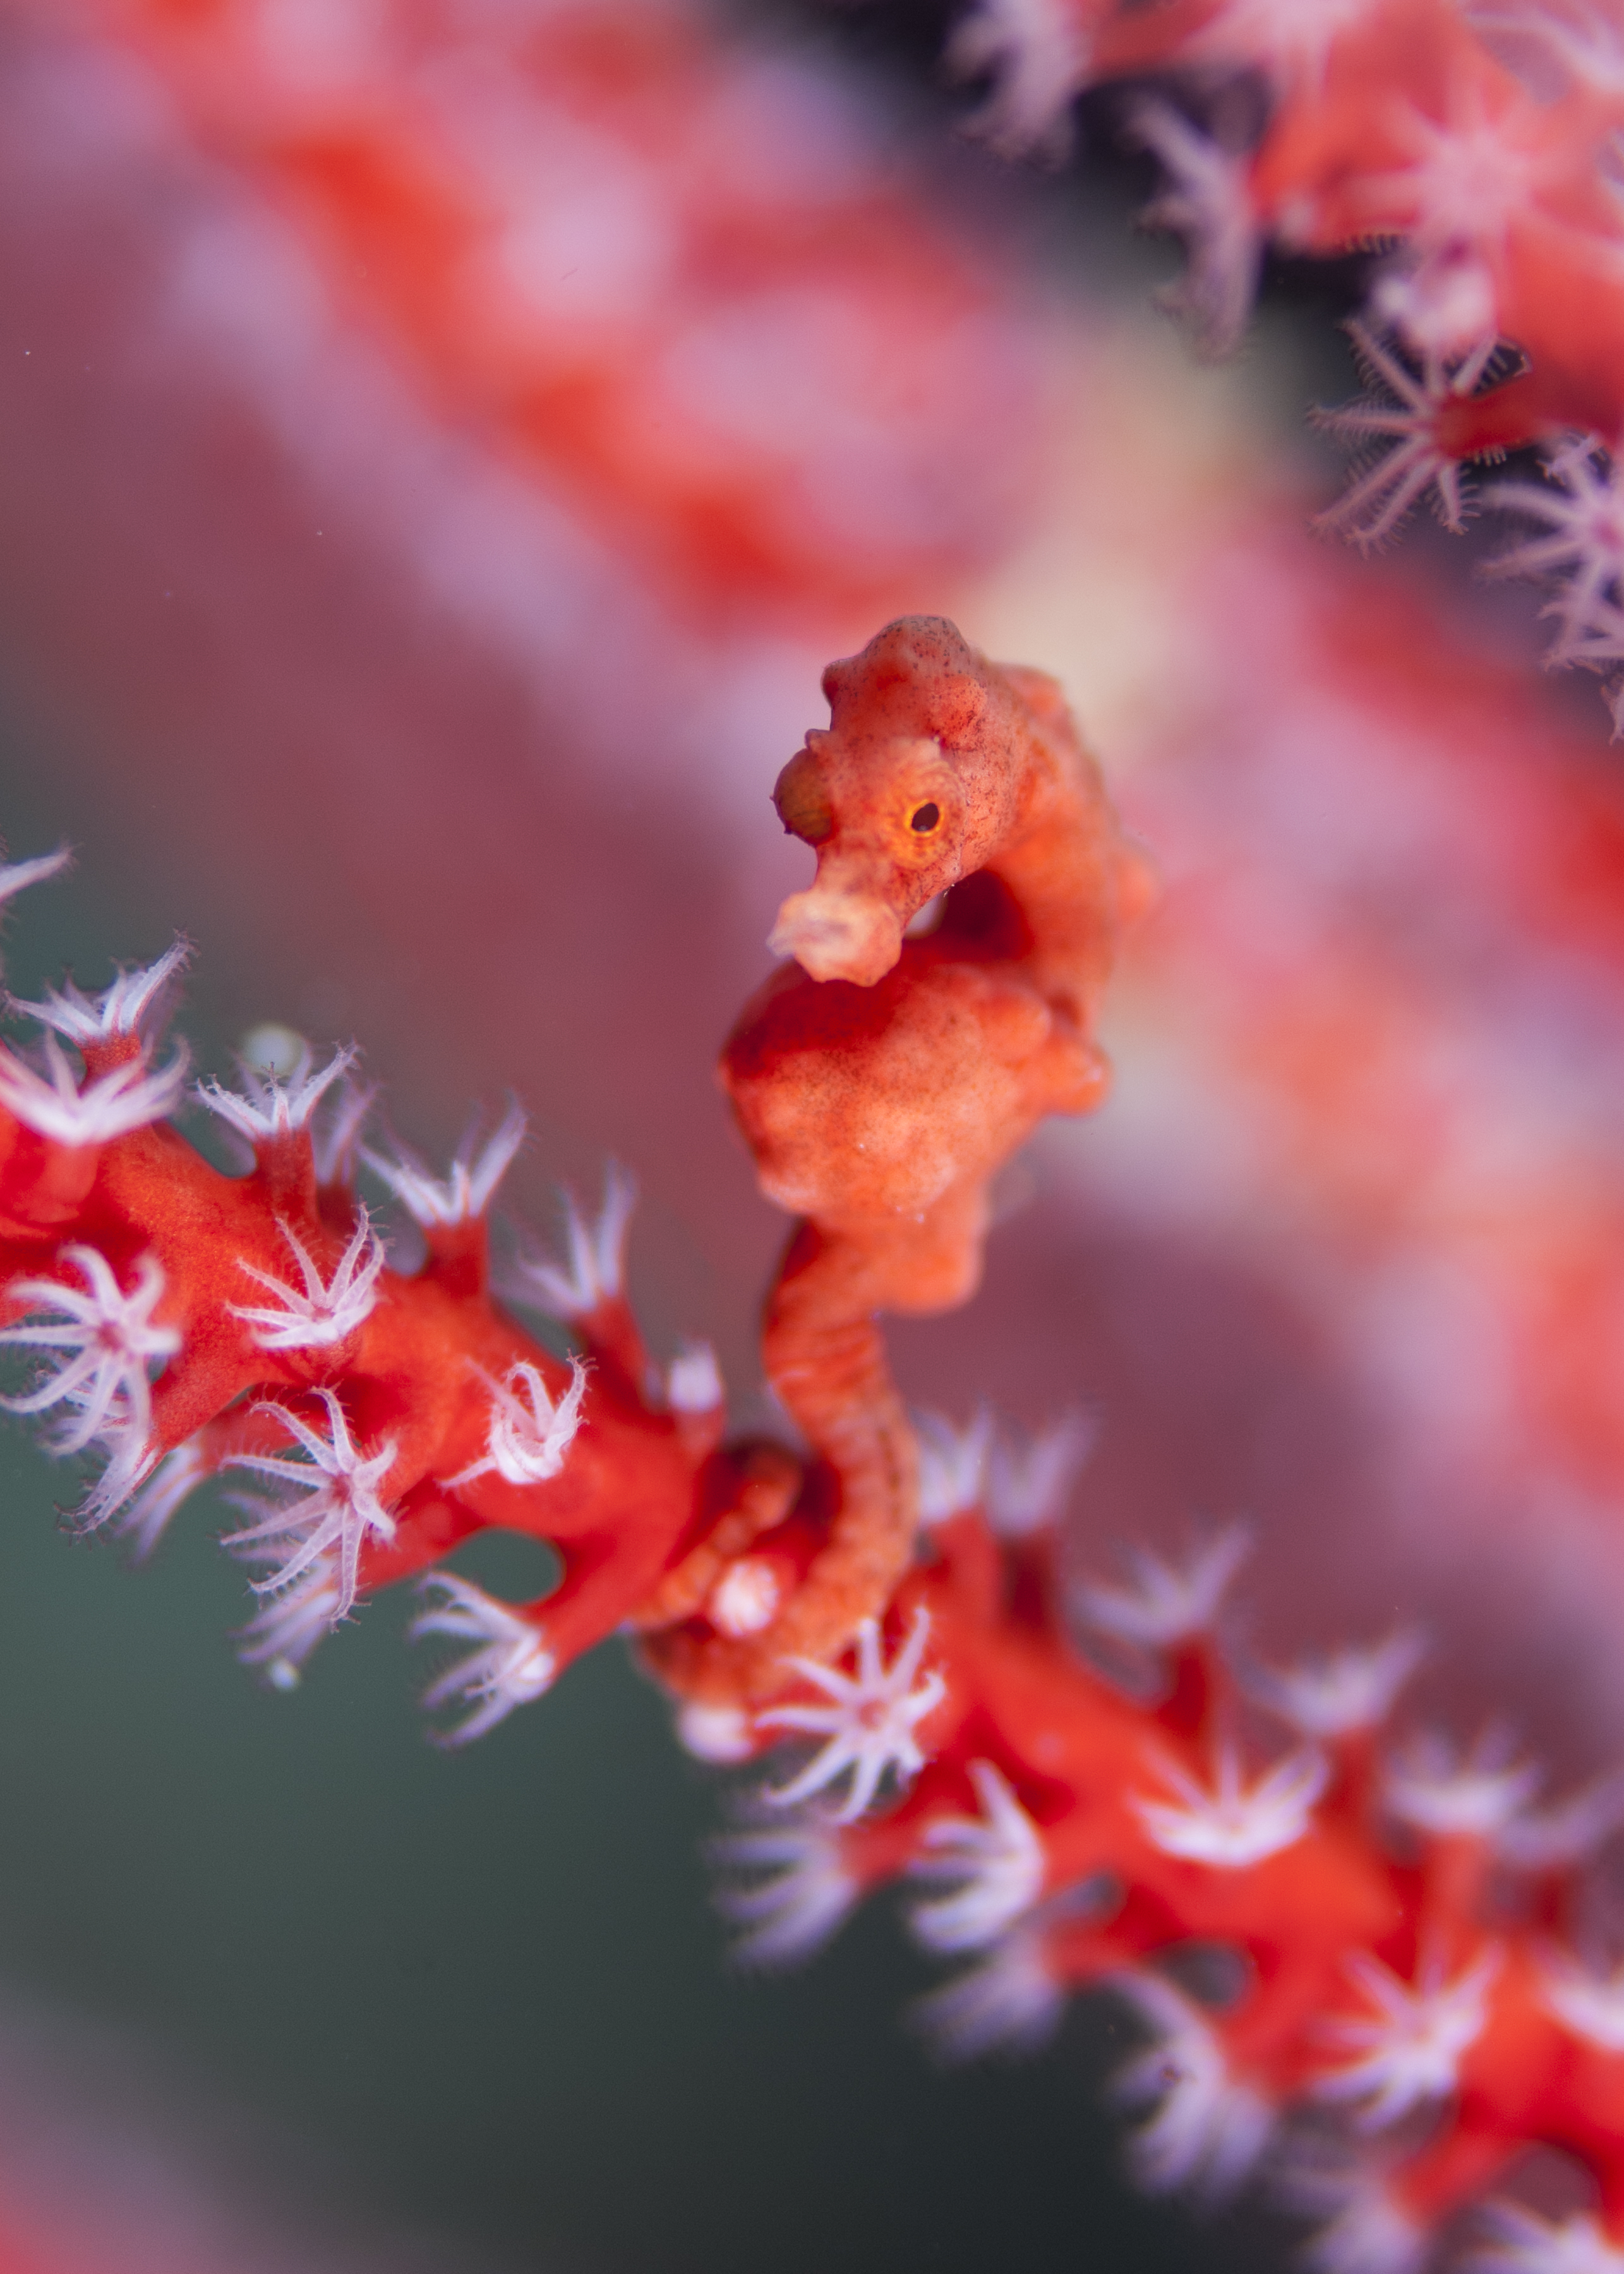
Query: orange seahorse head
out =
(911, 787)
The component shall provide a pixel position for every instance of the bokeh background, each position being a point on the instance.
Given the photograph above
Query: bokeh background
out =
(442, 444)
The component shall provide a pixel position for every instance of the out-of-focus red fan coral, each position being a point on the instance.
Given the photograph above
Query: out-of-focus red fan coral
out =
(1473, 150)
(668, 276)
(1415, 1014)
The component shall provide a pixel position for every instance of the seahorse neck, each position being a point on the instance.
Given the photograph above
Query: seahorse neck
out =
(1060, 866)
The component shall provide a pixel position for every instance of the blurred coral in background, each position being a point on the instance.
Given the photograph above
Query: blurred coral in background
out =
(444, 443)
(675, 282)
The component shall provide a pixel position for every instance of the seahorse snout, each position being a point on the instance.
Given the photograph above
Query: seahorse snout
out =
(834, 934)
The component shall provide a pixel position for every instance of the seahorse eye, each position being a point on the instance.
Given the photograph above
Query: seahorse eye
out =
(925, 819)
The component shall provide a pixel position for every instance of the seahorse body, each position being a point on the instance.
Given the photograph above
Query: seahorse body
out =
(881, 1079)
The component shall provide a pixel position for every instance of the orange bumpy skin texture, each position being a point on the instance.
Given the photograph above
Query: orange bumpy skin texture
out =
(1359, 1964)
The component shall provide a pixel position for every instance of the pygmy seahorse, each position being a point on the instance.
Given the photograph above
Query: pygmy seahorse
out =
(884, 1073)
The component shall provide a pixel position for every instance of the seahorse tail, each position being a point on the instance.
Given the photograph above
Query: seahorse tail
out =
(825, 1357)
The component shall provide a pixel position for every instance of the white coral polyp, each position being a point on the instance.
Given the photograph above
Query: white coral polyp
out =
(54, 1104)
(511, 1666)
(1565, 1832)
(718, 1733)
(466, 1191)
(1472, 174)
(952, 1463)
(1411, 2047)
(1011, 2002)
(148, 1516)
(1231, 1824)
(101, 1342)
(335, 1130)
(996, 1862)
(596, 1272)
(1167, 1603)
(1206, 2130)
(791, 1892)
(1475, 1794)
(745, 1599)
(132, 1005)
(868, 1722)
(1444, 304)
(339, 1513)
(1400, 409)
(528, 1433)
(271, 1105)
(1368, 2232)
(1208, 202)
(1521, 2242)
(694, 1381)
(1291, 40)
(1581, 553)
(279, 1637)
(1029, 1477)
(324, 1312)
(1342, 1692)
(17, 876)
(1590, 2005)
(1037, 54)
